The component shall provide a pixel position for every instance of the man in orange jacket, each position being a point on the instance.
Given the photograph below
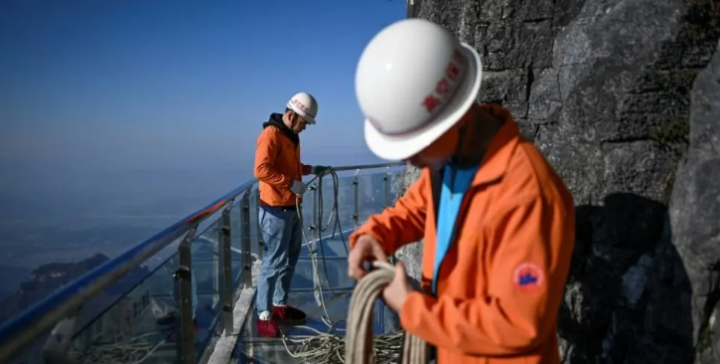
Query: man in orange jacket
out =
(279, 171)
(498, 223)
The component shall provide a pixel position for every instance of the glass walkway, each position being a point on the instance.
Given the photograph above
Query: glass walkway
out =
(186, 294)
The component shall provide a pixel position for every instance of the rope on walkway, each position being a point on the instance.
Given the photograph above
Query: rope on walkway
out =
(324, 348)
(358, 339)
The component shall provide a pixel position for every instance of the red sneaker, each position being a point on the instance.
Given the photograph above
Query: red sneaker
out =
(288, 315)
(267, 328)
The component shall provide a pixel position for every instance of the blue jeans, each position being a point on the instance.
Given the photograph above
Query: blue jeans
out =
(282, 233)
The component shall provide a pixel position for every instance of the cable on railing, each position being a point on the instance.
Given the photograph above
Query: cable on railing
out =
(317, 286)
(327, 347)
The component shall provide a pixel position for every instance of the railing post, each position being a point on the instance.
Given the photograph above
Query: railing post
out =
(183, 283)
(261, 242)
(386, 200)
(313, 228)
(246, 241)
(225, 274)
(386, 187)
(356, 206)
(317, 219)
(57, 345)
(312, 245)
(217, 267)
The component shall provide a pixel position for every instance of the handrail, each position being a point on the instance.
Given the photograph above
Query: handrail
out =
(19, 331)
(368, 166)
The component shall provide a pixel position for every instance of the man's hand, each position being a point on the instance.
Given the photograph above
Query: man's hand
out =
(366, 249)
(320, 170)
(298, 187)
(396, 293)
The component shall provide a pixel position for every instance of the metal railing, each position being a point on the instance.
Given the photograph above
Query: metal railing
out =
(59, 310)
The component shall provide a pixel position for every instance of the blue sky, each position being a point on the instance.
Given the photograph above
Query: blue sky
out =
(122, 85)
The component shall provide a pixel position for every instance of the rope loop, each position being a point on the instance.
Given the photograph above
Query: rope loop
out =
(359, 339)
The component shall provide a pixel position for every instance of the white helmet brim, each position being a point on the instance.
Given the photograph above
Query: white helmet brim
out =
(308, 119)
(402, 147)
(298, 110)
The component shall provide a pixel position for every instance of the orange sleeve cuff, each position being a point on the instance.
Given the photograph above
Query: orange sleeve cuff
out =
(410, 317)
(306, 169)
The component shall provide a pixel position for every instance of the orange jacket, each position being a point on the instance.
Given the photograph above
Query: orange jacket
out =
(277, 163)
(517, 221)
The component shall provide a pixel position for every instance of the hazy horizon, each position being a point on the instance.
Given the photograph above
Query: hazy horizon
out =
(118, 118)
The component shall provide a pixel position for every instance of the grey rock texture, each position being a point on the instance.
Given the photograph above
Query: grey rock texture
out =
(411, 254)
(695, 210)
(603, 88)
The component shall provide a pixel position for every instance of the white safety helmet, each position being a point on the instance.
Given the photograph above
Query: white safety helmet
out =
(414, 81)
(304, 105)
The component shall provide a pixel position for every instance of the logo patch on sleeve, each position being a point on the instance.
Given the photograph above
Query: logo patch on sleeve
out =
(528, 277)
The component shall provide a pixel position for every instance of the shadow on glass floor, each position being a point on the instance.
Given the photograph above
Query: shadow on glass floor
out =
(337, 290)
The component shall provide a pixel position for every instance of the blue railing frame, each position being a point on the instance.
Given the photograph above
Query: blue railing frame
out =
(40, 318)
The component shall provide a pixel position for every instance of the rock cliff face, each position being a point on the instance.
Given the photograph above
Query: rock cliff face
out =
(612, 93)
(695, 210)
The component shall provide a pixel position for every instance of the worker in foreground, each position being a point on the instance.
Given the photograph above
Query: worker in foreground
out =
(279, 171)
(498, 223)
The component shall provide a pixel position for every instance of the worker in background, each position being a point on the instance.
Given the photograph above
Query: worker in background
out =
(498, 223)
(279, 171)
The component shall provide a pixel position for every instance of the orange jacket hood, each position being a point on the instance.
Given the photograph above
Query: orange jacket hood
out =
(501, 283)
(276, 121)
(277, 163)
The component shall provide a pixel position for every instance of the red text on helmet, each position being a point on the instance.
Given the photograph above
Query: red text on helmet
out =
(300, 105)
(442, 88)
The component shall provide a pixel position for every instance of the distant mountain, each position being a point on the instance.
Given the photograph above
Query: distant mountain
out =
(43, 281)
(12, 276)
(47, 278)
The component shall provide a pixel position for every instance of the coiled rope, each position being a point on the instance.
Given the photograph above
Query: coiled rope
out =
(358, 340)
(317, 285)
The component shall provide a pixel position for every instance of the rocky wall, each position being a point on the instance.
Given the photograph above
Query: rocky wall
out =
(604, 89)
